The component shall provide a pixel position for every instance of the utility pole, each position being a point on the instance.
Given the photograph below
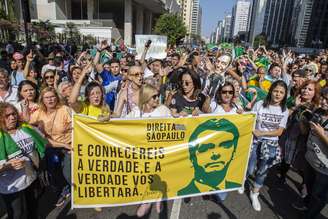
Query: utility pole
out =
(26, 18)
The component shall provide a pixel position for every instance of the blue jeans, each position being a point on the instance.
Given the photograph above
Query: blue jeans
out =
(262, 165)
(252, 160)
(261, 173)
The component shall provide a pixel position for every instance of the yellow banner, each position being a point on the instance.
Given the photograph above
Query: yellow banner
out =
(132, 161)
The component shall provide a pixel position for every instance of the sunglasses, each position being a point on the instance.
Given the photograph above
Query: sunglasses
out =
(154, 97)
(310, 70)
(49, 77)
(227, 92)
(138, 74)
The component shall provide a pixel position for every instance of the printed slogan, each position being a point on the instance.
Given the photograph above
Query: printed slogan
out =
(134, 161)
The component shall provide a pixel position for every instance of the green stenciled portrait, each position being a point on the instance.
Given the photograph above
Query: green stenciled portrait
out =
(212, 147)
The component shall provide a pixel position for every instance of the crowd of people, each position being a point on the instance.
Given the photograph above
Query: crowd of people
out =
(42, 85)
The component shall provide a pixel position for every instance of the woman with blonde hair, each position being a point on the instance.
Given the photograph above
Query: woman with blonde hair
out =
(129, 95)
(55, 121)
(149, 104)
(149, 107)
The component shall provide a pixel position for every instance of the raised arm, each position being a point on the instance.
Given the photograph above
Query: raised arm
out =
(77, 107)
(29, 59)
(143, 56)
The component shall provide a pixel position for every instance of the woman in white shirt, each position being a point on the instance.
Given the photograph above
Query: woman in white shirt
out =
(149, 107)
(223, 103)
(272, 115)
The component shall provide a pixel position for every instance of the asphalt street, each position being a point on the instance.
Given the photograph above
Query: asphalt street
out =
(276, 200)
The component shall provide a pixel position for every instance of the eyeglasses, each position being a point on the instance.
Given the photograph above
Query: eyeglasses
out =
(187, 83)
(154, 97)
(227, 92)
(49, 77)
(310, 70)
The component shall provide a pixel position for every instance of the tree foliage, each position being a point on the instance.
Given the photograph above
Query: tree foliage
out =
(43, 31)
(72, 33)
(260, 40)
(172, 26)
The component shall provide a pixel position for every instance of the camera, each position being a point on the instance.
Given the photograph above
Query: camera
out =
(316, 116)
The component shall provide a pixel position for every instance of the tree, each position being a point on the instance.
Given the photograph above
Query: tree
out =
(8, 30)
(172, 26)
(260, 39)
(9, 27)
(72, 33)
(44, 31)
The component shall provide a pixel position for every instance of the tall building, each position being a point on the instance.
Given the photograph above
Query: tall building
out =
(191, 15)
(199, 26)
(124, 17)
(277, 21)
(257, 19)
(219, 32)
(273, 18)
(311, 24)
(302, 11)
(241, 12)
(227, 33)
(318, 30)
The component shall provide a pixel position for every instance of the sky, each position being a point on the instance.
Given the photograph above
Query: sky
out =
(213, 11)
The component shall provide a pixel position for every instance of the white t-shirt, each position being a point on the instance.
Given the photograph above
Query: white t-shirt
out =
(11, 96)
(160, 111)
(269, 118)
(12, 181)
(218, 109)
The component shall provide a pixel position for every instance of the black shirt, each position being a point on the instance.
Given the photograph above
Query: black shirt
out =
(181, 104)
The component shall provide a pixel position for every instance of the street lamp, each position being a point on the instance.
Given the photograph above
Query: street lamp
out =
(26, 18)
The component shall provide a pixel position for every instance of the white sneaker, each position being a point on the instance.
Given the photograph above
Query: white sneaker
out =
(241, 190)
(255, 201)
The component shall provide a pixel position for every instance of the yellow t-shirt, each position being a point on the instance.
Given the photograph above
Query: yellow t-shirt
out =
(95, 111)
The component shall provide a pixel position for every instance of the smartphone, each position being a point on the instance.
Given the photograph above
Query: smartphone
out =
(148, 43)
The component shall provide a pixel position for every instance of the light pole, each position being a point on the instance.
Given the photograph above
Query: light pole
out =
(26, 18)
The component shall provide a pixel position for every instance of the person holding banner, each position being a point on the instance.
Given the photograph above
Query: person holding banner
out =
(223, 103)
(189, 100)
(272, 115)
(149, 107)
(21, 148)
